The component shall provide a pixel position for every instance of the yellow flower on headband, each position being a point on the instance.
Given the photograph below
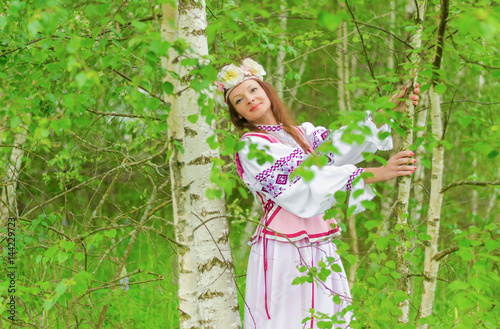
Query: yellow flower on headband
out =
(231, 75)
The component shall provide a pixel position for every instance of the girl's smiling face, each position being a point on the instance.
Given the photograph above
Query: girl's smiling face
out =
(250, 100)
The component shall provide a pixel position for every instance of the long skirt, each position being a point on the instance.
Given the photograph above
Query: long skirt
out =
(272, 302)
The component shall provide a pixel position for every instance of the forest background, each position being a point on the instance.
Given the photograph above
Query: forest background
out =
(87, 151)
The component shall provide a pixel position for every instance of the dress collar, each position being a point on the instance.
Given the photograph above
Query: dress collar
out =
(270, 128)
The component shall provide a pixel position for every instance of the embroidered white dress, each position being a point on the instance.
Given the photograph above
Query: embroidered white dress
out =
(292, 232)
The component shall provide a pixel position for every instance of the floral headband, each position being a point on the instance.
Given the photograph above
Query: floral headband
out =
(231, 76)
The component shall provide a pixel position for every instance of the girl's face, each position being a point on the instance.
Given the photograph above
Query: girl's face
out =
(250, 100)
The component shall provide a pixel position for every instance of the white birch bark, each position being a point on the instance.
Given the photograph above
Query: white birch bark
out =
(474, 200)
(8, 204)
(344, 104)
(434, 214)
(388, 200)
(280, 74)
(404, 185)
(293, 92)
(431, 265)
(344, 98)
(390, 62)
(205, 260)
(475, 197)
(419, 175)
(493, 201)
(186, 258)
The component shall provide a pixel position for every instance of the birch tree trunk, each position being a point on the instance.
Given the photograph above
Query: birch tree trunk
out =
(434, 214)
(207, 290)
(344, 98)
(344, 103)
(186, 258)
(280, 74)
(8, 204)
(404, 184)
(419, 175)
(431, 265)
(493, 201)
(388, 199)
(297, 83)
(390, 60)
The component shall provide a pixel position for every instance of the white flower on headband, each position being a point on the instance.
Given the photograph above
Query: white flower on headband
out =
(231, 75)
(253, 68)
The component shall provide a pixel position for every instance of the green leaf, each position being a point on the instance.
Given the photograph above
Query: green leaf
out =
(491, 244)
(80, 256)
(68, 245)
(465, 120)
(371, 224)
(466, 255)
(426, 163)
(110, 234)
(340, 196)
(62, 257)
(3, 21)
(167, 88)
(330, 21)
(139, 26)
(382, 243)
(440, 89)
(329, 324)
(336, 268)
(493, 154)
(14, 122)
(193, 118)
(178, 146)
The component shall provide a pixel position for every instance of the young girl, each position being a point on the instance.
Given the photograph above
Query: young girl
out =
(292, 234)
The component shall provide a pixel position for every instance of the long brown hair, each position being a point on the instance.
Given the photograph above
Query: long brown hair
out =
(280, 112)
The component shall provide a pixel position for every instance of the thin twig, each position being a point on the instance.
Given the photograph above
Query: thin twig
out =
(140, 86)
(468, 182)
(123, 115)
(388, 32)
(370, 66)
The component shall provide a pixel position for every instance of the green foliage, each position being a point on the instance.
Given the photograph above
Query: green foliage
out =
(82, 82)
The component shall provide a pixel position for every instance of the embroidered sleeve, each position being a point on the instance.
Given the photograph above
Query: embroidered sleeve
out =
(349, 153)
(352, 177)
(277, 178)
(303, 198)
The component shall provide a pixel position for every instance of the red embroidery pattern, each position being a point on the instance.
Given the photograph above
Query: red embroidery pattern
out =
(276, 179)
(352, 177)
(319, 136)
(271, 128)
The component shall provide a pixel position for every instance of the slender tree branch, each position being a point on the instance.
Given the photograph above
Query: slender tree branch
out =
(468, 182)
(131, 164)
(467, 60)
(5, 53)
(385, 31)
(370, 66)
(143, 88)
(89, 35)
(439, 255)
(123, 115)
(422, 275)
